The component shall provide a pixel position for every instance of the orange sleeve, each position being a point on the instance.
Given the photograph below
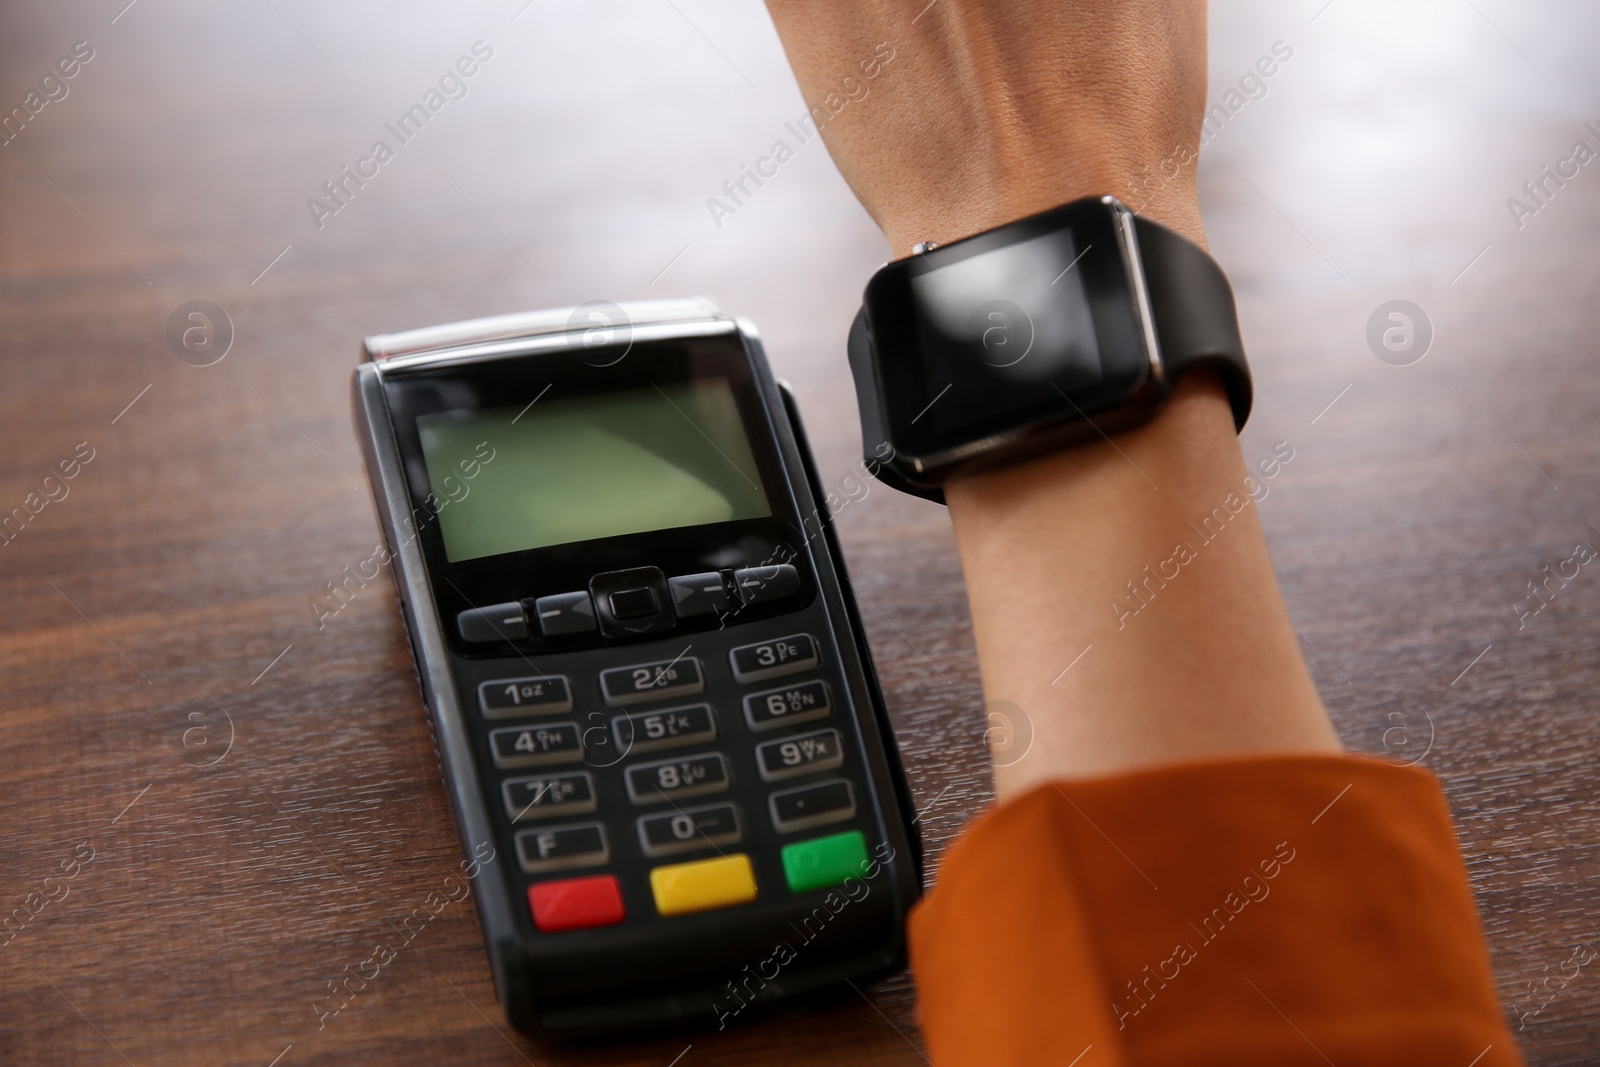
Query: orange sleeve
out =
(1284, 910)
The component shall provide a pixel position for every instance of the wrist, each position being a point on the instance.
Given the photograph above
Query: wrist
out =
(1122, 649)
(976, 115)
(963, 203)
(1017, 157)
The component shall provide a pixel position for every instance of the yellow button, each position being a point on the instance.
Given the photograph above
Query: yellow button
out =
(681, 888)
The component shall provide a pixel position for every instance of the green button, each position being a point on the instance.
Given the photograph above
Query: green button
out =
(824, 861)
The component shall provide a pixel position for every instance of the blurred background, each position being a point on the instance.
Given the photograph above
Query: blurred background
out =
(257, 797)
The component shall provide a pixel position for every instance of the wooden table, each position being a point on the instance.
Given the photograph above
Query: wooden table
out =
(257, 794)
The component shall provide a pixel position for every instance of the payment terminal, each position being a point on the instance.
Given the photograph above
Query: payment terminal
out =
(654, 709)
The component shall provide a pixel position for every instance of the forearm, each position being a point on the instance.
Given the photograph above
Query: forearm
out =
(1146, 560)
(988, 114)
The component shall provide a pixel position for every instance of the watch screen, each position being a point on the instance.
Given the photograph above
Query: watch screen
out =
(556, 471)
(1004, 330)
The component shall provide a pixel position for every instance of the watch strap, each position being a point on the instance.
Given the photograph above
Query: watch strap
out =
(873, 438)
(1191, 305)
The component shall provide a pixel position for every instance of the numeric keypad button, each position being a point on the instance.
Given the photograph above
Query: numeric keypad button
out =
(534, 746)
(652, 681)
(774, 658)
(790, 757)
(647, 731)
(800, 702)
(671, 832)
(545, 795)
(673, 779)
(812, 805)
(556, 848)
(514, 698)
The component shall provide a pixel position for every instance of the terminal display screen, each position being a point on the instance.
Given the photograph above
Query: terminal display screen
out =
(560, 470)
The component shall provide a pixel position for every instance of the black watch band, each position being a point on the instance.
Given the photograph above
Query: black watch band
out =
(1168, 302)
(1191, 307)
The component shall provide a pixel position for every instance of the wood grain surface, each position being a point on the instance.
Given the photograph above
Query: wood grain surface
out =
(210, 806)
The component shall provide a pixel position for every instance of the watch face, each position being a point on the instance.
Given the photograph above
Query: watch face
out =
(1002, 331)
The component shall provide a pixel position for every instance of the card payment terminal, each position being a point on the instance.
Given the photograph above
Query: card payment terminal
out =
(652, 702)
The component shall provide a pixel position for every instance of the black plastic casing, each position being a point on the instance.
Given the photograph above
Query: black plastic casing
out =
(650, 972)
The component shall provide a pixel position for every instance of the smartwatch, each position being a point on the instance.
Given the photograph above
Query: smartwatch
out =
(1052, 331)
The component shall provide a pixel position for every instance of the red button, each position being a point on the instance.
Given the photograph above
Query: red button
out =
(576, 903)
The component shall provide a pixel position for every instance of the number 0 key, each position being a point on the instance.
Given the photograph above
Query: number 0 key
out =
(671, 832)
